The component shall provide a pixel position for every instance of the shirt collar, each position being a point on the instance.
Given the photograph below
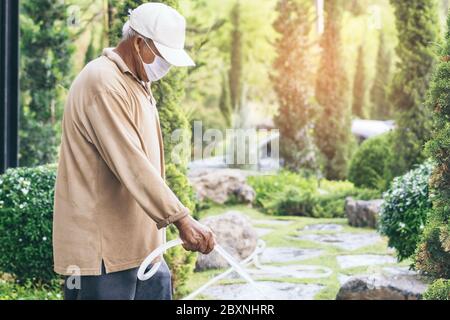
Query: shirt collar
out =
(117, 59)
(114, 57)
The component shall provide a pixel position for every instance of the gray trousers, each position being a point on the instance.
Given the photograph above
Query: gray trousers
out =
(122, 285)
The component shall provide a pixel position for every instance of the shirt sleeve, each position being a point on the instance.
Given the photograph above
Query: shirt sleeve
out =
(120, 144)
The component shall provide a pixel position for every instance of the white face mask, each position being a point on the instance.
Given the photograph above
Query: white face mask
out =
(157, 69)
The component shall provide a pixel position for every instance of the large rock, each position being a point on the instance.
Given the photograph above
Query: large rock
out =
(362, 213)
(234, 232)
(219, 185)
(382, 287)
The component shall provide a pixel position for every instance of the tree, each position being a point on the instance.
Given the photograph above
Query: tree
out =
(46, 51)
(433, 253)
(418, 31)
(359, 86)
(225, 102)
(235, 73)
(91, 52)
(168, 93)
(291, 82)
(381, 108)
(332, 130)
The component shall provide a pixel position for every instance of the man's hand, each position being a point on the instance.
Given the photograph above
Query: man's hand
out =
(195, 236)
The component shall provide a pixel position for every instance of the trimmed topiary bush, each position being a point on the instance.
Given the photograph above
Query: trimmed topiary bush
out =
(438, 290)
(369, 167)
(26, 215)
(405, 210)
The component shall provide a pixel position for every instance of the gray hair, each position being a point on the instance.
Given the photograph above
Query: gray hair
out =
(128, 32)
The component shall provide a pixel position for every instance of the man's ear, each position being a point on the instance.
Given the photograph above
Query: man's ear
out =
(137, 43)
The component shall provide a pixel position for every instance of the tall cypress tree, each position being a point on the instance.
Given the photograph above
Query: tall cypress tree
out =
(433, 254)
(333, 129)
(225, 102)
(359, 86)
(235, 73)
(418, 32)
(46, 51)
(381, 108)
(291, 82)
(168, 93)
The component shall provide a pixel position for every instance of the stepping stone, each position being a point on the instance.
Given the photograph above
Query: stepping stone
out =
(270, 290)
(261, 232)
(352, 261)
(286, 272)
(274, 223)
(347, 241)
(286, 254)
(323, 227)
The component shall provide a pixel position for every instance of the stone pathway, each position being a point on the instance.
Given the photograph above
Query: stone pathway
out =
(341, 252)
(270, 291)
(347, 241)
(288, 254)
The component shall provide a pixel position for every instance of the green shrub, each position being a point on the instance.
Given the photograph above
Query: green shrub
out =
(369, 167)
(438, 290)
(268, 186)
(292, 194)
(405, 210)
(290, 201)
(26, 215)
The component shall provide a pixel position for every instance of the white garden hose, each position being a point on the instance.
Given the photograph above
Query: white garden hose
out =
(152, 256)
(143, 276)
(235, 266)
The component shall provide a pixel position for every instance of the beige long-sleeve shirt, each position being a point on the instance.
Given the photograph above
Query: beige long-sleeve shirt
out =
(111, 200)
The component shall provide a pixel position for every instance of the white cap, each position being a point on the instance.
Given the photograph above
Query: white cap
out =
(166, 28)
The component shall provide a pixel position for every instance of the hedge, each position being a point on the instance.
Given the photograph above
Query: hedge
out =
(26, 218)
(26, 215)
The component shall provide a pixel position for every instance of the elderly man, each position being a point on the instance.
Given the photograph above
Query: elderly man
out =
(111, 201)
